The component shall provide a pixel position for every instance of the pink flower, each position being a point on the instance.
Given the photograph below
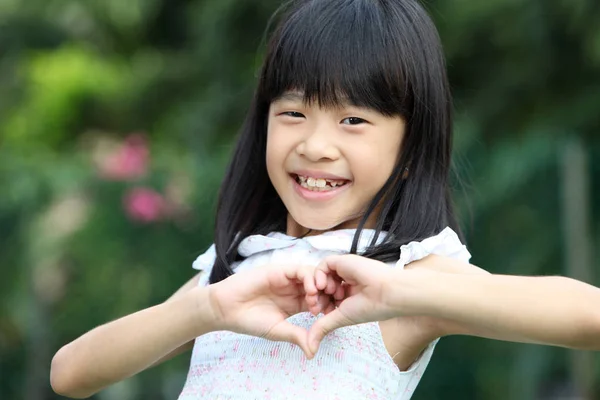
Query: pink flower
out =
(128, 162)
(144, 205)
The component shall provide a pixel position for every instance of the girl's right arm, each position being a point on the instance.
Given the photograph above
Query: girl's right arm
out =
(122, 348)
(192, 283)
(255, 302)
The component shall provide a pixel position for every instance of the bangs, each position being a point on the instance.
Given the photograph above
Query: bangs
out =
(337, 53)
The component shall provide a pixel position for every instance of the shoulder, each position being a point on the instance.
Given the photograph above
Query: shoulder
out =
(446, 243)
(205, 260)
(204, 263)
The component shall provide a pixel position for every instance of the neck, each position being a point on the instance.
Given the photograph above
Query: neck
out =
(294, 229)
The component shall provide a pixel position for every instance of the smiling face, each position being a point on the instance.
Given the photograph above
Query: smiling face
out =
(327, 164)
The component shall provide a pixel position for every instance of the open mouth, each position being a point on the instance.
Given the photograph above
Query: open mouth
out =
(319, 184)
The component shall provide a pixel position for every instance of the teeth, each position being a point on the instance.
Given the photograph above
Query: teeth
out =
(318, 184)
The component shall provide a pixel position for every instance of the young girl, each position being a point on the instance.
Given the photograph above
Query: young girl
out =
(346, 149)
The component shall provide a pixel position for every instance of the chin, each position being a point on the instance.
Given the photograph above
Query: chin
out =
(317, 223)
(315, 226)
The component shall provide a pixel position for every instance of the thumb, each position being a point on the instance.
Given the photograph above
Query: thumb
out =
(350, 268)
(288, 332)
(324, 325)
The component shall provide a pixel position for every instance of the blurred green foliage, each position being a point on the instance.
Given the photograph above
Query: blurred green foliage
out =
(84, 242)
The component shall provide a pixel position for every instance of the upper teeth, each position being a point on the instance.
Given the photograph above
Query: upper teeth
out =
(319, 182)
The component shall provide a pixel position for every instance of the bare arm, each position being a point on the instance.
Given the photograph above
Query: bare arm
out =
(192, 283)
(450, 297)
(122, 348)
(546, 310)
(434, 327)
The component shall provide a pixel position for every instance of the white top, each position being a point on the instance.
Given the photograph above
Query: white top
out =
(352, 362)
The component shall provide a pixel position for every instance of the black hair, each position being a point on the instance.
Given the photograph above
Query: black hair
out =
(385, 55)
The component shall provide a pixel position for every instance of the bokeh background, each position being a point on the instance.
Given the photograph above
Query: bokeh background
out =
(117, 118)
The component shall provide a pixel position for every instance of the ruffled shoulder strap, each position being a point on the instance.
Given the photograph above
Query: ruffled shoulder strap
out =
(205, 263)
(446, 243)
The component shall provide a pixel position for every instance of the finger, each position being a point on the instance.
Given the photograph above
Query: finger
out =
(340, 292)
(291, 271)
(335, 319)
(285, 331)
(350, 268)
(324, 302)
(284, 275)
(315, 310)
(312, 303)
(320, 279)
(301, 273)
(309, 281)
(331, 285)
(321, 303)
(324, 277)
(311, 299)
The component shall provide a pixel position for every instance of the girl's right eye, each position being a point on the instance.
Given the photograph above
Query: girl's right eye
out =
(293, 114)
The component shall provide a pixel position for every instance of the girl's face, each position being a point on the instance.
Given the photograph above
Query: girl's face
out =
(327, 164)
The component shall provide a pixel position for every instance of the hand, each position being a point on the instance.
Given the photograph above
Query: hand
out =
(360, 287)
(257, 302)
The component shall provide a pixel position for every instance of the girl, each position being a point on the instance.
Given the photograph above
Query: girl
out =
(345, 149)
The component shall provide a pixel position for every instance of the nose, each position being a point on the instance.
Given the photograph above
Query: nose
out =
(318, 145)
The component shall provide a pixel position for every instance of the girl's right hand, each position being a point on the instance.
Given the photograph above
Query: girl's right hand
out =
(259, 301)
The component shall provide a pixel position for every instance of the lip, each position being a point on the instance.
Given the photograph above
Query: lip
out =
(319, 174)
(318, 196)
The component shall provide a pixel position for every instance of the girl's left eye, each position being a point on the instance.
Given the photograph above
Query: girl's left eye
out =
(353, 121)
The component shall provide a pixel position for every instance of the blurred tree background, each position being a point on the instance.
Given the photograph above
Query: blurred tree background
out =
(117, 119)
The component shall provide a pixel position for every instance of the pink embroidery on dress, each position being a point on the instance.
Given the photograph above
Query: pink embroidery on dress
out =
(275, 351)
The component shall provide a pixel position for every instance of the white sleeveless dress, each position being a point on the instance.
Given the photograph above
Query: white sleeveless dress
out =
(352, 362)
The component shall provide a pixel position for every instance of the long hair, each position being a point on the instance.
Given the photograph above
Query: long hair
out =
(380, 54)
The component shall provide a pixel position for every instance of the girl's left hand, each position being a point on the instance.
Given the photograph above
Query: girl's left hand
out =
(361, 289)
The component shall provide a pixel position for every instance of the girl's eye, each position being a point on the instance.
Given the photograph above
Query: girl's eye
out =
(353, 121)
(293, 114)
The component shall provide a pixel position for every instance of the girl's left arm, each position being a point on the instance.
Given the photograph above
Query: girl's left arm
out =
(464, 299)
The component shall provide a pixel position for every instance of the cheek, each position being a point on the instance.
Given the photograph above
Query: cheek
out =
(275, 154)
(374, 164)
(387, 157)
(271, 157)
